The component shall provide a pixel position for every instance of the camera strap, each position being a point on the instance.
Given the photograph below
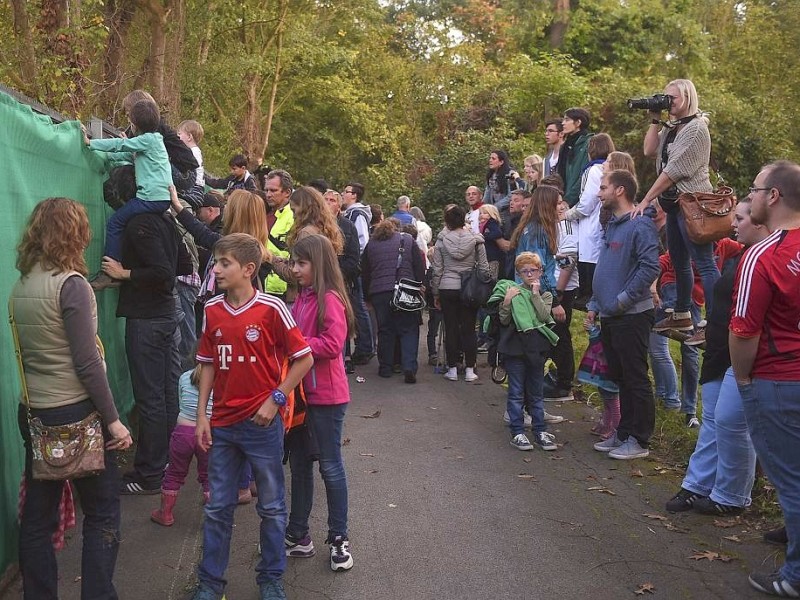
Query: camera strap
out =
(681, 121)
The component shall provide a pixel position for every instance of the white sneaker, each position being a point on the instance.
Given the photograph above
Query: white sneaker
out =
(451, 374)
(521, 442)
(548, 418)
(608, 445)
(470, 375)
(527, 421)
(629, 450)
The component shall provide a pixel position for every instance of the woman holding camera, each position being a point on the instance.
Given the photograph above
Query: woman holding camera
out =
(501, 180)
(682, 148)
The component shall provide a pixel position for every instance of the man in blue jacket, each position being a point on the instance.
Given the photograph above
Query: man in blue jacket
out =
(626, 268)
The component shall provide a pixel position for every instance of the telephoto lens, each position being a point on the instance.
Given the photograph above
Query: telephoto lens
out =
(655, 103)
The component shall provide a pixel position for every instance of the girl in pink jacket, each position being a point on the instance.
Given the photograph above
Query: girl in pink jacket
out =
(323, 314)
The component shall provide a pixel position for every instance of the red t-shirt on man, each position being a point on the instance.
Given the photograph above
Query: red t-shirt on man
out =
(250, 348)
(766, 303)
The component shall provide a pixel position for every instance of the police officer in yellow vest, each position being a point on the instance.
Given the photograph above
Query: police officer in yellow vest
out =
(278, 188)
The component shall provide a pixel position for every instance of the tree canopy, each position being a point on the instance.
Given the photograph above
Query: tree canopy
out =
(410, 96)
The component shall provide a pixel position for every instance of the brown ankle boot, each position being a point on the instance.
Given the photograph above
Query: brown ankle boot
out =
(163, 516)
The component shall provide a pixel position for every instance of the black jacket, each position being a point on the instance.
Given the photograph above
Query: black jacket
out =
(349, 259)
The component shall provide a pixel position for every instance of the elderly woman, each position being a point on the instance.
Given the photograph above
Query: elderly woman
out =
(389, 256)
(55, 316)
(682, 148)
(457, 250)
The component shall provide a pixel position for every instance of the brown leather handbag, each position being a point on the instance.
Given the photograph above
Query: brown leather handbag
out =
(60, 452)
(708, 215)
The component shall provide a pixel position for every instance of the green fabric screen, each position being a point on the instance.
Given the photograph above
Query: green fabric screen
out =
(40, 159)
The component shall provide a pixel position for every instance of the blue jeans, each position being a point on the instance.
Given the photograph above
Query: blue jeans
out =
(683, 252)
(262, 449)
(393, 324)
(187, 296)
(326, 426)
(723, 463)
(116, 222)
(772, 409)
(664, 373)
(363, 344)
(150, 345)
(525, 389)
(99, 500)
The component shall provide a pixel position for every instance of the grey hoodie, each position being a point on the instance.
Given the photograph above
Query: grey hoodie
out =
(454, 254)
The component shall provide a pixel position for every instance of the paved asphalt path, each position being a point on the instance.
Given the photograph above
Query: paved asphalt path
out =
(442, 507)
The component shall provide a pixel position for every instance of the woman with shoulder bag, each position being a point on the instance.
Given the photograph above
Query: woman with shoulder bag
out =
(682, 149)
(54, 317)
(458, 250)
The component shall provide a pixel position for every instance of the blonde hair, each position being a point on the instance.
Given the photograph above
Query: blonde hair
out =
(56, 235)
(491, 210)
(245, 213)
(193, 128)
(537, 162)
(134, 97)
(689, 93)
(527, 258)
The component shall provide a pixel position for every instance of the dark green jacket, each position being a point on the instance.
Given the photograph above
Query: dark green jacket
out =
(573, 160)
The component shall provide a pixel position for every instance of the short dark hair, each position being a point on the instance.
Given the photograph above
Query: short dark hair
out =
(145, 116)
(626, 180)
(455, 217)
(238, 160)
(600, 146)
(242, 247)
(523, 193)
(784, 176)
(358, 190)
(320, 185)
(557, 122)
(579, 113)
(553, 180)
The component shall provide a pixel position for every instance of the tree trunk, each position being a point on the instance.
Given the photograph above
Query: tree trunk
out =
(159, 14)
(24, 38)
(172, 82)
(558, 28)
(262, 150)
(119, 16)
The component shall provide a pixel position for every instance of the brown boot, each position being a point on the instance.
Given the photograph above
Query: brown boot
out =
(679, 321)
(163, 516)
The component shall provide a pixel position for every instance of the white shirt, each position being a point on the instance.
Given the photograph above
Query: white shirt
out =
(474, 220)
(568, 239)
(198, 155)
(587, 211)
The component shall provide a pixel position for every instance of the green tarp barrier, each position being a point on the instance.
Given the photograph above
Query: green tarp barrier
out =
(39, 159)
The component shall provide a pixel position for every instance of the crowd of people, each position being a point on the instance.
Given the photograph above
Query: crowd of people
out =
(249, 300)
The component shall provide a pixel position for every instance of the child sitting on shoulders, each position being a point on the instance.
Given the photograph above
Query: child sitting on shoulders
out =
(525, 342)
(148, 154)
(191, 133)
(182, 447)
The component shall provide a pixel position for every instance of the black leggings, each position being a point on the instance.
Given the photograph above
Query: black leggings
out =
(459, 328)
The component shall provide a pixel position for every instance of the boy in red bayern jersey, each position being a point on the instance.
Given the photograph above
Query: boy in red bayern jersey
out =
(257, 356)
(765, 347)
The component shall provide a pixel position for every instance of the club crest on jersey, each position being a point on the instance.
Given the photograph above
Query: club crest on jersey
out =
(252, 333)
(218, 333)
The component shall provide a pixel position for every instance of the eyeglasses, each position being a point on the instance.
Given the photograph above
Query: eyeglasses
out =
(347, 192)
(753, 190)
(529, 272)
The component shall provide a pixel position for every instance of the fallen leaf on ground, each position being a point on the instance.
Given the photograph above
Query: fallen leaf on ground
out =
(556, 457)
(393, 506)
(459, 458)
(366, 454)
(670, 527)
(410, 420)
(726, 523)
(645, 587)
(446, 447)
(637, 473)
(710, 555)
(433, 408)
(526, 476)
(656, 517)
(601, 489)
(345, 441)
(733, 538)
(373, 471)
(527, 460)
(374, 415)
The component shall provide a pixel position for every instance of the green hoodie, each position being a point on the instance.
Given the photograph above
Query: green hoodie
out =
(523, 311)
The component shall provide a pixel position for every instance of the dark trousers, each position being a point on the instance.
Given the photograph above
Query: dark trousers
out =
(363, 345)
(99, 500)
(563, 355)
(625, 341)
(153, 363)
(392, 325)
(459, 328)
(585, 277)
(434, 320)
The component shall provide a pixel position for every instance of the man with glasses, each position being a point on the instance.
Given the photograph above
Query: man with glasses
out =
(626, 268)
(764, 344)
(360, 216)
(553, 139)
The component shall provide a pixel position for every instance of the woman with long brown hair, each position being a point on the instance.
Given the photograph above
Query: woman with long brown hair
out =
(55, 315)
(538, 232)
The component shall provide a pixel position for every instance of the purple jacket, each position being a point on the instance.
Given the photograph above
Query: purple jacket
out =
(326, 382)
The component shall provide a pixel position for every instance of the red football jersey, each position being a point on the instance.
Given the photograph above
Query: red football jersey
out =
(250, 348)
(767, 304)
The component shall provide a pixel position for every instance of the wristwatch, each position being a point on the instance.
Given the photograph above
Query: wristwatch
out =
(278, 397)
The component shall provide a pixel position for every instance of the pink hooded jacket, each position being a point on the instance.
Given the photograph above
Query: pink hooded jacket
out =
(326, 382)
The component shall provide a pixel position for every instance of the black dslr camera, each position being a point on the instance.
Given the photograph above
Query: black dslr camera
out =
(654, 103)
